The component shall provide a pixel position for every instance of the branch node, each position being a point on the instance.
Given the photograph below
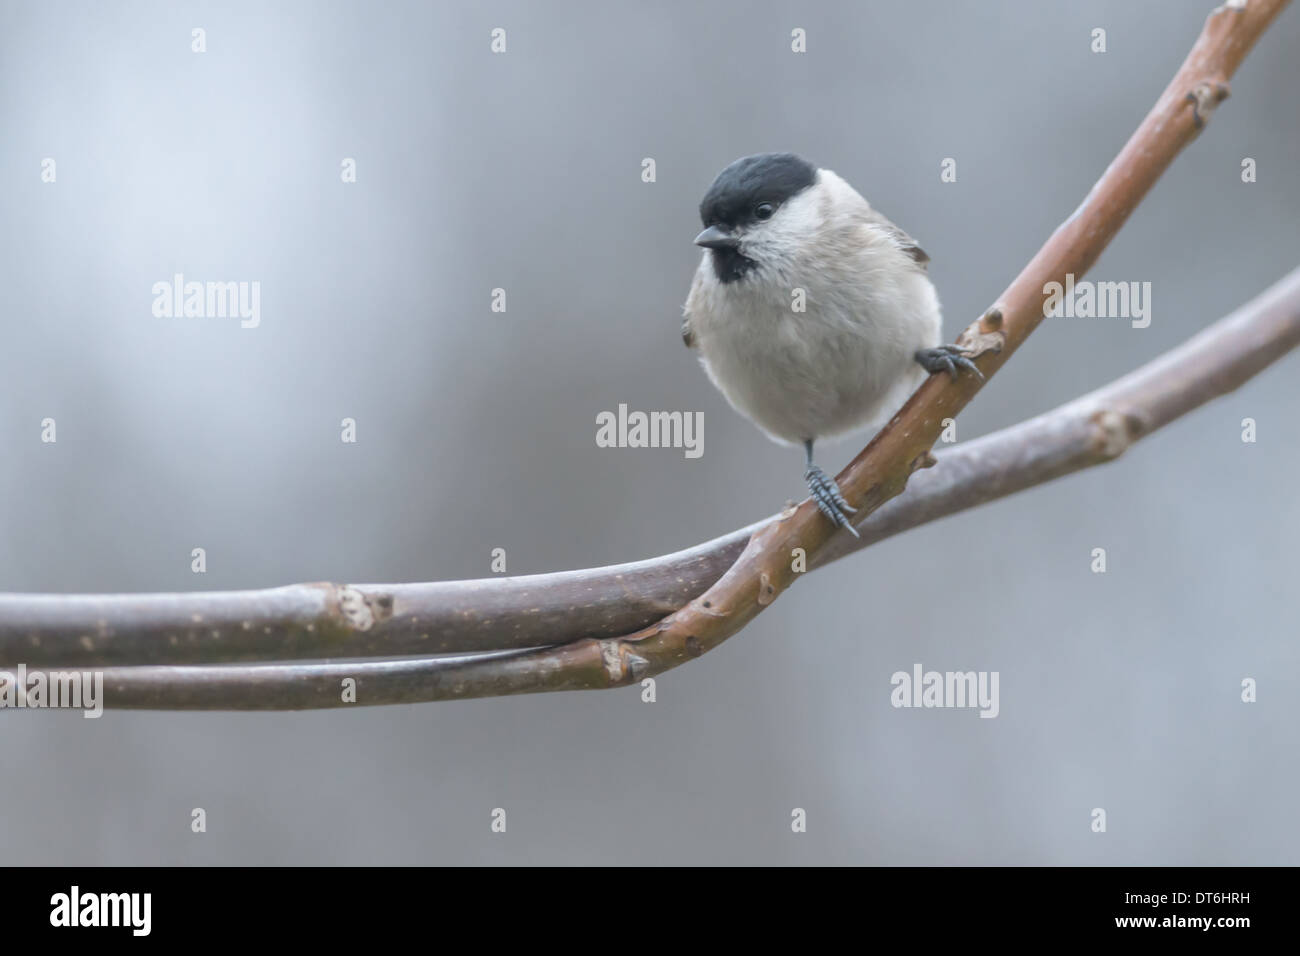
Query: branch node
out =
(706, 607)
(924, 460)
(356, 612)
(1205, 97)
(1116, 431)
(637, 665)
(766, 592)
(611, 655)
(983, 335)
(361, 611)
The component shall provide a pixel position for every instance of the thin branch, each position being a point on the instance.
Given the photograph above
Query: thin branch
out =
(335, 620)
(881, 471)
(1088, 431)
(306, 621)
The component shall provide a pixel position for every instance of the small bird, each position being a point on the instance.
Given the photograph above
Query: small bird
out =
(812, 313)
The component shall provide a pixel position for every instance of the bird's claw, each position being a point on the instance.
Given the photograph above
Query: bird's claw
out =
(826, 494)
(947, 358)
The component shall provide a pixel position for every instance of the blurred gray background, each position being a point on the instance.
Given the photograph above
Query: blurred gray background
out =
(477, 429)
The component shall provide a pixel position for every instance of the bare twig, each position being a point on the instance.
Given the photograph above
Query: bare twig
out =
(306, 621)
(1088, 431)
(589, 608)
(765, 569)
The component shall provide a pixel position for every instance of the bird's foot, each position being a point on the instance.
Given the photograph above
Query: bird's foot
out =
(826, 493)
(947, 358)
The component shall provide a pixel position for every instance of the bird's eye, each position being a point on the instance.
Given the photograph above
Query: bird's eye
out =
(764, 210)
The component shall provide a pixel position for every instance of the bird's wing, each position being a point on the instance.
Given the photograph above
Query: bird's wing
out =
(904, 242)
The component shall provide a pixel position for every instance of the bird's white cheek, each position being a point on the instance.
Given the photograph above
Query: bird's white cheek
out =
(777, 248)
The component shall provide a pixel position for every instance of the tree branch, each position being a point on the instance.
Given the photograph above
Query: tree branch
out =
(1091, 430)
(684, 604)
(881, 471)
(304, 621)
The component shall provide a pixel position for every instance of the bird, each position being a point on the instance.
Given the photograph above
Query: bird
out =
(810, 311)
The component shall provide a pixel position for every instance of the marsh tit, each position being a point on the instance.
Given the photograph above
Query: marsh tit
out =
(812, 313)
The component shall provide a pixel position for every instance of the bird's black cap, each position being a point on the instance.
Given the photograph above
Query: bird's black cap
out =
(766, 177)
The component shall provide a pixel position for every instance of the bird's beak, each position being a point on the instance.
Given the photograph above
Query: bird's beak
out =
(715, 238)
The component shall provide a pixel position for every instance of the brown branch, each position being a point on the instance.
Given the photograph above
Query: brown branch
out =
(332, 620)
(1088, 431)
(308, 621)
(882, 469)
